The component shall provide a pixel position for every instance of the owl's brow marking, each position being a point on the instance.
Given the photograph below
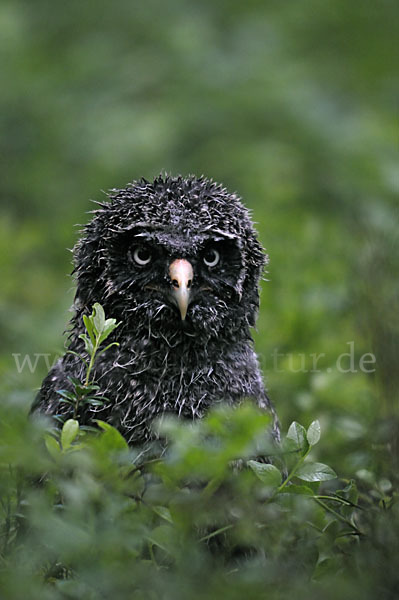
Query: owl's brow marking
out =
(224, 234)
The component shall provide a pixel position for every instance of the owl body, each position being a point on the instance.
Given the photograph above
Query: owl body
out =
(176, 261)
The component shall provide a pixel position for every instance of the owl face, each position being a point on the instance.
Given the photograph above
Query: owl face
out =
(194, 282)
(177, 254)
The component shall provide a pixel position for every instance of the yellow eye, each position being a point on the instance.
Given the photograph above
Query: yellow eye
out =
(142, 256)
(211, 257)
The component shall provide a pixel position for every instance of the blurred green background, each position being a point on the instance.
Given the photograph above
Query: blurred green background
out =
(291, 104)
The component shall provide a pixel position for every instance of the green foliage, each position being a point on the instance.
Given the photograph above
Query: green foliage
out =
(89, 517)
(98, 329)
(84, 515)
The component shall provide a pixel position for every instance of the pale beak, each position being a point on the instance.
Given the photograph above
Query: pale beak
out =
(181, 275)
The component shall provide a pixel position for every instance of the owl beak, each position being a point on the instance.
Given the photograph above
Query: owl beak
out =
(181, 275)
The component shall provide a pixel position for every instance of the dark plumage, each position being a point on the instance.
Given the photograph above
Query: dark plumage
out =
(176, 261)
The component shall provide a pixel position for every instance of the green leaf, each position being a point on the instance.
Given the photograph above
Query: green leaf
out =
(89, 328)
(106, 347)
(302, 490)
(268, 474)
(67, 394)
(98, 318)
(109, 326)
(315, 472)
(88, 344)
(111, 437)
(103, 425)
(297, 435)
(349, 492)
(85, 390)
(93, 401)
(313, 433)
(69, 432)
(163, 512)
(65, 401)
(52, 446)
(74, 380)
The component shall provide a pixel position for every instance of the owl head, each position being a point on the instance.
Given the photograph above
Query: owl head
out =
(176, 255)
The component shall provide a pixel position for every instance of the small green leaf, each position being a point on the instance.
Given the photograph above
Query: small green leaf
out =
(74, 380)
(302, 490)
(349, 492)
(87, 342)
(85, 390)
(52, 446)
(268, 474)
(67, 394)
(297, 435)
(109, 326)
(315, 472)
(69, 432)
(103, 425)
(163, 512)
(313, 433)
(89, 328)
(65, 401)
(111, 437)
(98, 319)
(93, 401)
(106, 348)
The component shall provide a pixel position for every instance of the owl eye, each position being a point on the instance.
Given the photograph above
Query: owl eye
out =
(211, 257)
(142, 256)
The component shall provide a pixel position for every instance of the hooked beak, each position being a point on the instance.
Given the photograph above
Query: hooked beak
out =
(181, 275)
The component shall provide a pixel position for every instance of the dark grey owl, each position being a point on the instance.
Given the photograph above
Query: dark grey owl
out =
(178, 263)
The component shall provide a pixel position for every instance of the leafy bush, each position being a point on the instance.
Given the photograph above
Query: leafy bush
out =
(84, 516)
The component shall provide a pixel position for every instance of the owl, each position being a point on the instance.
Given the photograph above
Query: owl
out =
(177, 262)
